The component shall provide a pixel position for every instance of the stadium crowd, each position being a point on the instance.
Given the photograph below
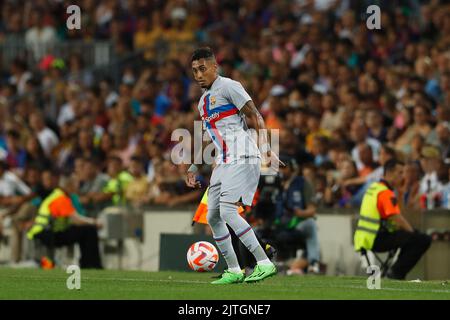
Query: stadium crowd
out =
(345, 98)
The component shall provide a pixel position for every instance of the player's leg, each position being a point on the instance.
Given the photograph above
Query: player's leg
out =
(245, 257)
(264, 267)
(223, 238)
(239, 182)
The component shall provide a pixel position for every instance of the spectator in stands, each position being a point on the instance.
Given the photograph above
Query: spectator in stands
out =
(118, 179)
(320, 150)
(91, 183)
(47, 138)
(13, 194)
(39, 37)
(443, 139)
(359, 135)
(420, 126)
(409, 192)
(23, 218)
(19, 75)
(374, 123)
(339, 193)
(35, 152)
(430, 185)
(71, 109)
(16, 155)
(137, 190)
(446, 191)
(366, 158)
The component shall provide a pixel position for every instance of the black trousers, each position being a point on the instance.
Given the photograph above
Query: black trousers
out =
(412, 246)
(85, 236)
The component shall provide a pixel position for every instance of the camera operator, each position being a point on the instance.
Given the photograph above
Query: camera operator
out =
(287, 213)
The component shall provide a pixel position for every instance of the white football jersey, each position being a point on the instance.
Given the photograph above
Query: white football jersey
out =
(219, 109)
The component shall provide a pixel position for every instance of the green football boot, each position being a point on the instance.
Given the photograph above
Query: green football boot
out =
(229, 278)
(261, 272)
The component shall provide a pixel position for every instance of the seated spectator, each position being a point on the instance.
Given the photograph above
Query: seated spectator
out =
(443, 139)
(430, 185)
(358, 133)
(172, 189)
(137, 190)
(374, 123)
(366, 158)
(417, 143)
(47, 138)
(314, 130)
(23, 218)
(16, 155)
(446, 191)
(91, 184)
(35, 153)
(14, 193)
(420, 125)
(386, 153)
(320, 150)
(330, 119)
(338, 193)
(118, 179)
(409, 191)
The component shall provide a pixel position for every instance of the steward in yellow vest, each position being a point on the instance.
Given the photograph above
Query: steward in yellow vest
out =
(113, 192)
(58, 224)
(381, 226)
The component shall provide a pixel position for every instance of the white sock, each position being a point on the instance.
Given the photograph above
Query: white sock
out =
(235, 270)
(264, 262)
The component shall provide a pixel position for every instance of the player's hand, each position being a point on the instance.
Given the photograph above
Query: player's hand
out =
(273, 156)
(191, 180)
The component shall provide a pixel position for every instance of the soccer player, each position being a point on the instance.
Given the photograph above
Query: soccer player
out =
(235, 177)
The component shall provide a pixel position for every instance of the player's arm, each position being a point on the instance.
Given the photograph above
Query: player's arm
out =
(191, 176)
(252, 113)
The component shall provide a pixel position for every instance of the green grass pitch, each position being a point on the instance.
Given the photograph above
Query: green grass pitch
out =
(108, 284)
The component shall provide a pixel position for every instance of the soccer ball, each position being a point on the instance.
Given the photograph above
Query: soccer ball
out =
(202, 256)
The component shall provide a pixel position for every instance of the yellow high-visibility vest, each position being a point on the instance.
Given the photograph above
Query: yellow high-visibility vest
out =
(42, 220)
(117, 185)
(369, 220)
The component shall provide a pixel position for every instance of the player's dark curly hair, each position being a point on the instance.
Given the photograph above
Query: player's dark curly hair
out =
(203, 53)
